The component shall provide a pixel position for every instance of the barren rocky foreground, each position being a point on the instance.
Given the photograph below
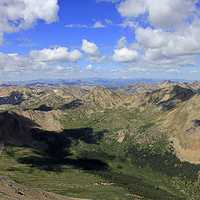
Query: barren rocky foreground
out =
(9, 190)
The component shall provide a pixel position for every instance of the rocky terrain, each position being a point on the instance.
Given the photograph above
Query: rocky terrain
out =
(76, 126)
(9, 190)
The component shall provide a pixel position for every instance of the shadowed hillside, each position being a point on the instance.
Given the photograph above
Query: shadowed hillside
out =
(54, 146)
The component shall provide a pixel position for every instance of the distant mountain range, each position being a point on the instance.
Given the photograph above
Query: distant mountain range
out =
(111, 83)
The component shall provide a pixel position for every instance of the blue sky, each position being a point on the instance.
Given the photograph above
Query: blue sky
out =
(75, 39)
(71, 12)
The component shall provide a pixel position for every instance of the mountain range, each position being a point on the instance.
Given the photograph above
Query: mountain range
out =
(114, 138)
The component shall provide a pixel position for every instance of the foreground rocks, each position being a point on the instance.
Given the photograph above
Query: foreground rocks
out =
(9, 190)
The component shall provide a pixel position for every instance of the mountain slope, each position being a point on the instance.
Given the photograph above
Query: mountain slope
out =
(9, 190)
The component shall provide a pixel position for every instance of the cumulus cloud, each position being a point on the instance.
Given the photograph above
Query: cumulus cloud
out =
(98, 24)
(89, 47)
(132, 8)
(92, 50)
(16, 15)
(22, 67)
(151, 38)
(12, 62)
(160, 44)
(159, 12)
(125, 55)
(170, 35)
(55, 59)
(56, 54)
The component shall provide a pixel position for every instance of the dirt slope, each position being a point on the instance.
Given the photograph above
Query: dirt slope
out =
(182, 124)
(9, 190)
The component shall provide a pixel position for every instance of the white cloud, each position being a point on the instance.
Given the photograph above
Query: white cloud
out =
(42, 65)
(12, 62)
(17, 67)
(89, 47)
(151, 38)
(160, 44)
(171, 35)
(76, 26)
(98, 24)
(132, 8)
(36, 61)
(56, 54)
(127, 23)
(167, 13)
(92, 50)
(121, 42)
(160, 13)
(125, 55)
(16, 15)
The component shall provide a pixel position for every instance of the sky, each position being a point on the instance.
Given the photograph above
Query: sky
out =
(79, 39)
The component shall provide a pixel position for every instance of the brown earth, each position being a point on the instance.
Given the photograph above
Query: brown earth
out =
(9, 190)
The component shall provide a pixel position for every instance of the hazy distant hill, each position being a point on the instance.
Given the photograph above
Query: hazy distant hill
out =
(90, 81)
